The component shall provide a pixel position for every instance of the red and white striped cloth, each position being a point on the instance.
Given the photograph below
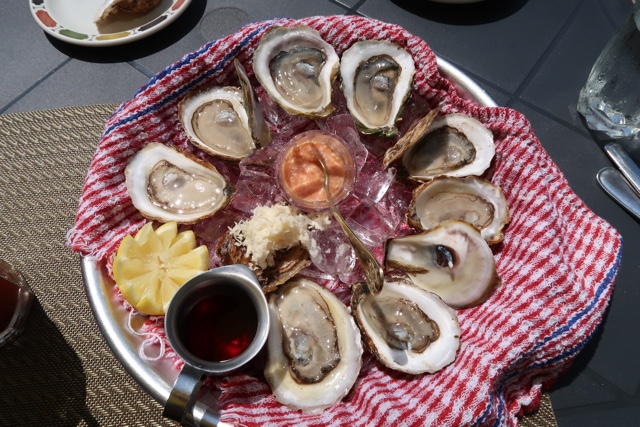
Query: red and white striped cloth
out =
(557, 263)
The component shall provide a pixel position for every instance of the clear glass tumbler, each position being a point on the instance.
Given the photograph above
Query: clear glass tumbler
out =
(610, 100)
(15, 300)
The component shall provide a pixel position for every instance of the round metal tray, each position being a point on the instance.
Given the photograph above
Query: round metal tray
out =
(157, 377)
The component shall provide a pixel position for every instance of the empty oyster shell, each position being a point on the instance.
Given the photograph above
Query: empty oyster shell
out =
(274, 242)
(407, 328)
(216, 121)
(168, 185)
(314, 347)
(451, 260)
(297, 69)
(260, 131)
(377, 80)
(112, 7)
(286, 264)
(452, 145)
(471, 199)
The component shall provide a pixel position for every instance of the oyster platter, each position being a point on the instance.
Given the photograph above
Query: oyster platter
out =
(217, 162)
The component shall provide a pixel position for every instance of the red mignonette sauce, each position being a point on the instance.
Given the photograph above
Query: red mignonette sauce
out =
(8, 302)
(219, 327)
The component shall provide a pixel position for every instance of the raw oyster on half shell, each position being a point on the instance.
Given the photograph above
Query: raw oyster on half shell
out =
(407, 328)
(377, 80)
(452, 145)
(452, 260)
(314, 347)
(297, 69)
(471, 199)
(215, 120)
(169, 185)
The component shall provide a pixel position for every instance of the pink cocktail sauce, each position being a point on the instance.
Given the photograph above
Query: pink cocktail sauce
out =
(302, 173)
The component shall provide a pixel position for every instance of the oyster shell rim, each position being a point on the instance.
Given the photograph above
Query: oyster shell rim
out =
(228, 191)
(500, 220)
(340, 315)
(402, 58)
(452, 333)
(205, 94)
(484, 153)
(330, 70)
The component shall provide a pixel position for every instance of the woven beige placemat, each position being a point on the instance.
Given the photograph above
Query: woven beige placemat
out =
(60, 371)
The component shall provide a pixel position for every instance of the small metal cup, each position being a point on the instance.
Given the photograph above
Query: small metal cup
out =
(237, 280)
(16, 298)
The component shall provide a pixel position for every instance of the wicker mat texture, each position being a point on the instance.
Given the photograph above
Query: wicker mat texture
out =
(60, 371)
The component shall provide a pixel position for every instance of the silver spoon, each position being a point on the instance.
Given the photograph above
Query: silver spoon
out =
(374, 276)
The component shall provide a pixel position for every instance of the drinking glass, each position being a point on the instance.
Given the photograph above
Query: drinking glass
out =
(610, 99)
(15, 300)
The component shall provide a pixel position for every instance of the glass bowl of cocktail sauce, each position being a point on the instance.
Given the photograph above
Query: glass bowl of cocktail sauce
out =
(300, 175)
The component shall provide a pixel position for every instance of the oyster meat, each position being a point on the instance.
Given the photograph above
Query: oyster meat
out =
(471, 199)
(314, 347)
(297, 69)
(453, 145)
(377, 80)
(216, 121)
(451, 260)
(168, 185)
(407, 328)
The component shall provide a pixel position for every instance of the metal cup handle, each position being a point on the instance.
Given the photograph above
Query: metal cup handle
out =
(182, 396)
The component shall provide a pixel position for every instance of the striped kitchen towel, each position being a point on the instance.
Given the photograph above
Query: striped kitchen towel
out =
(558, 260)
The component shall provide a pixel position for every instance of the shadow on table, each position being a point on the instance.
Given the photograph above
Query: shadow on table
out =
(462, 14)
(581, 362)
(42, 381)
(154, 43)
(630, 144)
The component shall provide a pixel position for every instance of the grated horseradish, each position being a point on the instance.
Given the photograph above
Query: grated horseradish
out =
(277, 227)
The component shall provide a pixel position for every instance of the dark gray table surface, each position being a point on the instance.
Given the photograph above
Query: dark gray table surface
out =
(531, 55)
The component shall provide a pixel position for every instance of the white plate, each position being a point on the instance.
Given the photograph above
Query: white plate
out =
(456, 1)
(72, 21)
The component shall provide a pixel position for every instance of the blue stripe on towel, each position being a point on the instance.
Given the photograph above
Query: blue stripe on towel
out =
(229, 56)
(567, 353)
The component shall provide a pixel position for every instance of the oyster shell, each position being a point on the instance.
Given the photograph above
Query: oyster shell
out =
(451, 260)
(274, 242)
(297, 69)
(216, 121)
(314, 347)
(377, 80)
(113, 7)
(286, 262)
(407, 328)
(168, 185)
(452, 145)
(471, 199)
(260, 131)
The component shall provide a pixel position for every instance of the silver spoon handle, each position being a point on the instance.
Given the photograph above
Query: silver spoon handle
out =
(373, 273)
(614, 184)
(625, 164)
